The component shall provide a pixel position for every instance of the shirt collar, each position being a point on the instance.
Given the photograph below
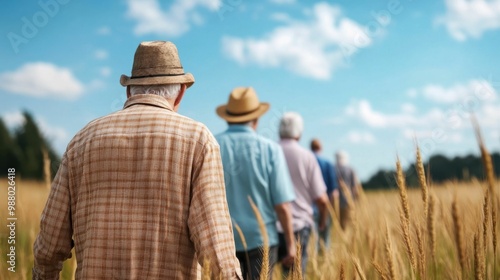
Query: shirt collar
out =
(148, 99)
(239, 128)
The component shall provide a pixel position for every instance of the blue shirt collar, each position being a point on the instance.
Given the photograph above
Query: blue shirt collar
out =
(239, 128)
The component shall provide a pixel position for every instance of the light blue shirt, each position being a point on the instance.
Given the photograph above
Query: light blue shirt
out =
(253, 167)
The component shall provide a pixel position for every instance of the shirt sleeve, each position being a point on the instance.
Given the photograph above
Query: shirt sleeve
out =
(280, 183)
(316, 182)
(209, 221)
(54, 242)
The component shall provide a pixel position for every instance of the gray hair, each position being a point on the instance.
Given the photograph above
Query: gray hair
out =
(167, 91)
(342, 158)
(291, 125)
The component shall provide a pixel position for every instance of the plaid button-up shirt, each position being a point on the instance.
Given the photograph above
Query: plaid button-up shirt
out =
(140, 194)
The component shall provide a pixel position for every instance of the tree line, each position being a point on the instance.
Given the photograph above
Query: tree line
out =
(23, 149)
(439, 168)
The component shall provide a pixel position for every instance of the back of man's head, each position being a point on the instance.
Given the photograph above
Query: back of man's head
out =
(169, 92)
(291, 126)
(315, 145)
(342, 158)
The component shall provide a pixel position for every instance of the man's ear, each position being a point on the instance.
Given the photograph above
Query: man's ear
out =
(177, 101)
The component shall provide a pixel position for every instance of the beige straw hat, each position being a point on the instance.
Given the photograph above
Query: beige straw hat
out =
(157, 63)
(243, 106)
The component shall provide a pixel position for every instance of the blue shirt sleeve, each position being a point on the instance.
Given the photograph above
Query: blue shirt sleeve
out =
(330, 178)
(280, 183)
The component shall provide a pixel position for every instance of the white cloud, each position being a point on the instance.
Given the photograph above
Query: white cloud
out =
(438, 135)
(311, 48)
(474, 89)
(105, 71)
(101, 54)
(42, 79)
(13, 119)
(104, 30)
(360, 137)
(470, 18)
(175, 21)
(363, 111)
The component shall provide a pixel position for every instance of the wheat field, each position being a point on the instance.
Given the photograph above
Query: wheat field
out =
(373, 247)
(447, 231)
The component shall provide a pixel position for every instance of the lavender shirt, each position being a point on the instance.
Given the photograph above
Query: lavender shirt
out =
(307, 180)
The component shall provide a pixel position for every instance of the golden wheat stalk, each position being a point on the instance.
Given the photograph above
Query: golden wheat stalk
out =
(207, 273)
(297, 264)
(422, 181)
(46, 168)
(347, 193)
(431, 225)
(400, 178)
(459, 239)
(486, 222)
(390, 254)
(264, 270)
(478, 261)
(421, 253)
(486, 158)
(379, 270)
(408, 241)
(358, 268)
(342, 271)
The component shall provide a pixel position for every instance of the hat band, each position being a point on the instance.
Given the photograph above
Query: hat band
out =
(241, 114)
(160, 75)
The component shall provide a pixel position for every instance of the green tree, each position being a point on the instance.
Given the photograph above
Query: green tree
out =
(32, 143)
(9, 152)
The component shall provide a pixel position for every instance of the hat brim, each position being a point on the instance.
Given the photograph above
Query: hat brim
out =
(222, 112)
(187, 79)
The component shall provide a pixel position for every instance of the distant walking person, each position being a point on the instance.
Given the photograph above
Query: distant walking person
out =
(255, 167)
(328, 172)
(307, 180)
(347, 176)
(140, 193)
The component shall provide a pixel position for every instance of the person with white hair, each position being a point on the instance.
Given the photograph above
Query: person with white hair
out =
(140, 192)
(347, 177)
(307, 180)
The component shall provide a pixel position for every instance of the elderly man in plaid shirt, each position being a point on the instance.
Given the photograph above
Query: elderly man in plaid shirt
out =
(140, 193)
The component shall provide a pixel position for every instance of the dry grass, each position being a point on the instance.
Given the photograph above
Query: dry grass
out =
(458, 221)
(382, 206)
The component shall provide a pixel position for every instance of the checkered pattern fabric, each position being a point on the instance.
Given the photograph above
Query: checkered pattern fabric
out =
(140, 194)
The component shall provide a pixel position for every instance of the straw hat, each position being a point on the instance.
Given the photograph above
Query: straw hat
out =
(157, 63)
(243, 106)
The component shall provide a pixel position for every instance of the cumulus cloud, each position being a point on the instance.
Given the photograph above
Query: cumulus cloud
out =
(461, 92)
(363, 111)
(470, 18)
(360, 137)
(313, 48)
(42, 79)
(175, 21)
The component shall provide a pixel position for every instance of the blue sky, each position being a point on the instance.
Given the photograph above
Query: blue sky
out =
(367, 76)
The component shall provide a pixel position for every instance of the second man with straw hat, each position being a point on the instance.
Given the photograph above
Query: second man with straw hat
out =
(254, 168)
